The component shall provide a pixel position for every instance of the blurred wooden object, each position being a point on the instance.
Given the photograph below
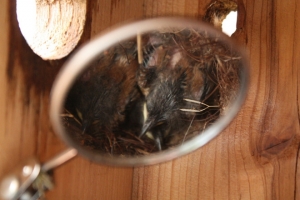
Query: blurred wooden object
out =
(256, 157)
(53, 28)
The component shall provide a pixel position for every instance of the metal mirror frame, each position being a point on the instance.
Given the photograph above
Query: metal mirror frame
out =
(83, 57)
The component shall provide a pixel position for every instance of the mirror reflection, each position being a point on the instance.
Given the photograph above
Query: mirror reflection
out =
(152, 93)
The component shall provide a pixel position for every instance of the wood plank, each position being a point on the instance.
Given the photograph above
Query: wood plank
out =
(4, 40)
(296, 70)
(256, 156)
(25, 128)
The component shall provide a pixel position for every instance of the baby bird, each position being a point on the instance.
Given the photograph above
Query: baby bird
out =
(105, 93)
(168, 82)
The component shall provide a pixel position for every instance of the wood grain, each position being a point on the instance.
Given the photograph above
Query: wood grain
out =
(4, 40)
(52, 28)
(256, 157)
(26, 131)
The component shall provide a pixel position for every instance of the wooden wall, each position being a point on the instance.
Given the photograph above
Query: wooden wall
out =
(256, 157)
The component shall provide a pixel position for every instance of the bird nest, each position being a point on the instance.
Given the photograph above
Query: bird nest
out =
(142, 97)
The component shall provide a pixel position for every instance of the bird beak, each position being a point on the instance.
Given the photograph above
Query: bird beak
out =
(85, 124)
(146, 127)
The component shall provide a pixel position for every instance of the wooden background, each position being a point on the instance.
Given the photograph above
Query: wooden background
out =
(256, 157)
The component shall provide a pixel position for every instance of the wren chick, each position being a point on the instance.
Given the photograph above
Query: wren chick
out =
(104, 95)
(172, 81)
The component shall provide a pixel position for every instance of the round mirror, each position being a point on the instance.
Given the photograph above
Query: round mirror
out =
(149, 91)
